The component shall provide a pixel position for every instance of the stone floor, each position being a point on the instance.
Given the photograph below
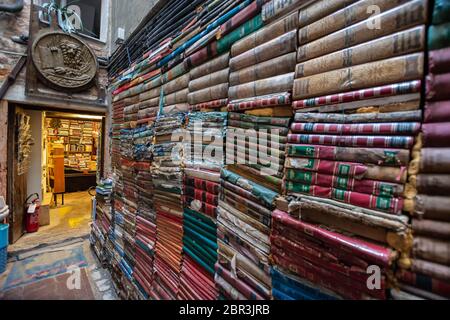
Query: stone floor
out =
(63, 271)
(70, 220)
(57, 263)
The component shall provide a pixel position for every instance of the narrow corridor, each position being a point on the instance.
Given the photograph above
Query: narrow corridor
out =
(57, 262)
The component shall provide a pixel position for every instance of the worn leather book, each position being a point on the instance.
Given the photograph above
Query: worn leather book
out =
(286, 286)
(438, 111)
(150, 94)
(439, 61)
(337, 277)
(224, 44)
(431, 207)
(269, 101)
(401, 142)
(276, 8)
(404, 88)
(245, 269)
(277, 84)
(436, 134)
(249, 208)
(265, 34)
(407, 116)
(213, 105)
(397, 44)
(433, 184)
(173, 73)
(409, 67)
(366, 186)
(403, 103)
(411, 14)
(358, 227)
(216, 92)
(284, 122)
(424, 282)
(280, 65)
(385, 204)
(237, 284)
(176, 108)
(209, 80)
(379, 156)
(370, 252)
(241, 17)
(149, 103)
(343, 18)
(176, 84)
(433, 250)
(432, 229)
(388, 128)
(320, 9)
(434, 160)
(348, 169)
(281, 45)
(436, 87)
(211, 66)
(156, 82)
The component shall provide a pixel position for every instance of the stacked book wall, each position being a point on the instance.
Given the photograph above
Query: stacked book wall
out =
(260, 84)
(429, 175)
(357, 94)
(277, 149)
(202, 165)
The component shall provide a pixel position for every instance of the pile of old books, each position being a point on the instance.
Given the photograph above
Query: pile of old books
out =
(203, 160)
(145, 215)
(347, 150)
(208, 87)
(167, 176)
(102, 220)
(244, 221)
(200, 256)
(429, 274)
(316, 263)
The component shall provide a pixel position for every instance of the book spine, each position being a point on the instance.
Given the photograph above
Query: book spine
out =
(409, 67)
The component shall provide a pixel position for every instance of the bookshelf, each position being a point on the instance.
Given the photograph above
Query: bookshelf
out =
(79, 139)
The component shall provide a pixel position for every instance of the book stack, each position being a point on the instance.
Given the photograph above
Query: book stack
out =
(102, 221)
(351, 138)
(208, 88)
(167, 176)
(313, 263)
(244, 222)
(174, 91)
(428, 276)
(203, 159)
(145, 241)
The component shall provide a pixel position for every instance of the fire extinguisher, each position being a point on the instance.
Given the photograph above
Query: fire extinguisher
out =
(32, 210)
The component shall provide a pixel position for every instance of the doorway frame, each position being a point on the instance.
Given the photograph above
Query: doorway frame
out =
(15, 235)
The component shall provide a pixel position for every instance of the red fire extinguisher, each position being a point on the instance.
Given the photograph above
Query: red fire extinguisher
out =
(32, 210)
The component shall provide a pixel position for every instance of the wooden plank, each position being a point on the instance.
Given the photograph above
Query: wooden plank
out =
(3, 148)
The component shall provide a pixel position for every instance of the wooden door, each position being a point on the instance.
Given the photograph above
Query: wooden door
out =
(17, 183)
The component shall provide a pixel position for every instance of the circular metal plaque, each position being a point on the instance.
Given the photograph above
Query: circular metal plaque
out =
(64, 62)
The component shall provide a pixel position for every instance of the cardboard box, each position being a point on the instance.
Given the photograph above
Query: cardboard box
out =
(44, 215)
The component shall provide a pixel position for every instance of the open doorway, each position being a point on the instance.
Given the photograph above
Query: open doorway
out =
(59, 166)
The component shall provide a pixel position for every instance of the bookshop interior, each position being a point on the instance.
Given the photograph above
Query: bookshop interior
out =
(62, 170)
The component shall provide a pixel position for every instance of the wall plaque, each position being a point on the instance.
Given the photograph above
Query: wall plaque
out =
(64, 62)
